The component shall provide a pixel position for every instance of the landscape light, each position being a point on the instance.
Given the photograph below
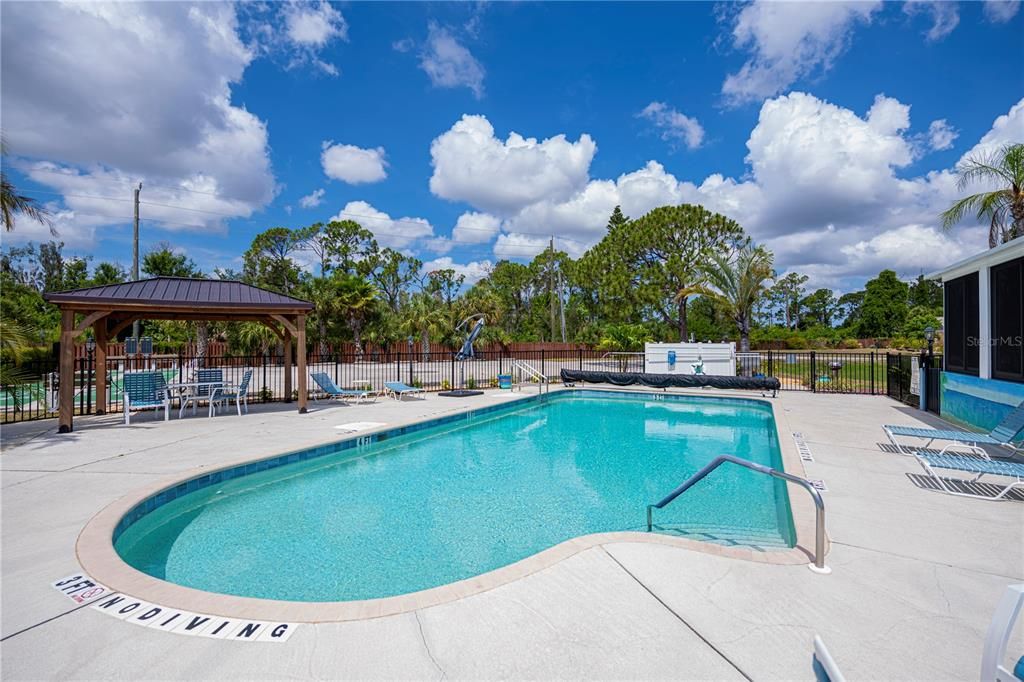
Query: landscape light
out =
(929, 334)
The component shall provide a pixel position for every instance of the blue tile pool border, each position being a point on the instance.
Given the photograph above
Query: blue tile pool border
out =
(219, 476)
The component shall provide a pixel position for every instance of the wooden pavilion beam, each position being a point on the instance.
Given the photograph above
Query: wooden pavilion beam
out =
(99, 330)
(90, 320)
(66, 389)
(300, 340)
(287, 363)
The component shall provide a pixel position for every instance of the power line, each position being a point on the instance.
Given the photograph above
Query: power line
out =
(346, 214)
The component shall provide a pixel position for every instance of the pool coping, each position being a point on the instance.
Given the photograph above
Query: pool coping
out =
(97, 556)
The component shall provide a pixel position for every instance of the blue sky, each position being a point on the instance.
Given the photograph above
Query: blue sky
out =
(828, 130)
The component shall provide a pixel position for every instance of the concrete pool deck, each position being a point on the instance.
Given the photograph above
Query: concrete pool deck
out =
(916, 574)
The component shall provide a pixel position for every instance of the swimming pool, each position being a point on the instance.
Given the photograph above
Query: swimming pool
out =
(392, 514)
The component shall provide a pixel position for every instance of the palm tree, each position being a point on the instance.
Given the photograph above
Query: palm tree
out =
(1002, 208)
(355, 299)
(15, 339)
(737, 284)
(422, 317)
(321, 292)
(12, 203)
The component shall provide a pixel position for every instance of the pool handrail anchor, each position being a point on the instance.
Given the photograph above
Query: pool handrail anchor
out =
(543, 383)
(818, 566)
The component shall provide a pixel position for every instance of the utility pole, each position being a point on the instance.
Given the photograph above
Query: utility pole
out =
(551, 283)
(561, 302)
(135, 257)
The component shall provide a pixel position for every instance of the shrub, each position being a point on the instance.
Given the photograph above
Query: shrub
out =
(471, 383)
(446, 385)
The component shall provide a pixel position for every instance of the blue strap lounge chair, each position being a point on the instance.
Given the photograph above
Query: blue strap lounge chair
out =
(145, 391)
(328, 387)
(398, 390)
(1004, 434)
(981, 466)
(240, 397)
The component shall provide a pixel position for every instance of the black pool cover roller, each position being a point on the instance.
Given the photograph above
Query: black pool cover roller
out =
(667, 380)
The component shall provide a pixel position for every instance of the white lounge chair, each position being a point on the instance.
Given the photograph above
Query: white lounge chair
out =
(398, 390)
(981, 466)
(1008, 430)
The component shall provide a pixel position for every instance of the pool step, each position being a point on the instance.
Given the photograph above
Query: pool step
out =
(753, 538)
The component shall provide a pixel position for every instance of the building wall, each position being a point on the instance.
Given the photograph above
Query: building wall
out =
(978, 403)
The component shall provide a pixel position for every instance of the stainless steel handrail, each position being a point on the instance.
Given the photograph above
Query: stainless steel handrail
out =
(819, 528)
(542, 381)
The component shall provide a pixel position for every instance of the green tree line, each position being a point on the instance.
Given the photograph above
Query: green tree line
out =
(677, 272)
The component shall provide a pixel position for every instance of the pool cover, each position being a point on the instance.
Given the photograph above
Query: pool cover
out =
(666, 380)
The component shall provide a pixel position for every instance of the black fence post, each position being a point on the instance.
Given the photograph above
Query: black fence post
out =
(814, 374)
(580, 351)
(872, 372)
(543, 373)
(263, 389)
(453, 371)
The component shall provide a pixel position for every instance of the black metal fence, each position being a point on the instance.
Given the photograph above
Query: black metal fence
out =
(33, 395)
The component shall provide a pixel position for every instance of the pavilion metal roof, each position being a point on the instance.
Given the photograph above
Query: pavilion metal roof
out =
(177, 292)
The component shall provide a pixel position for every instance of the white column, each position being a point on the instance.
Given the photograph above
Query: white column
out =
(984, 324)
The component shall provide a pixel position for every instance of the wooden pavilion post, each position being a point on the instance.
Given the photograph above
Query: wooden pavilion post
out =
(99, 330)
(287, 365)
(300, 341)
(66, 395)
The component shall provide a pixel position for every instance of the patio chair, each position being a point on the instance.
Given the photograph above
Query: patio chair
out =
(398, 390)
(327, 386)
(206, 378)
(240, 397)
(1004, 434)
(997, 639)
(145, 391)
(981, 466)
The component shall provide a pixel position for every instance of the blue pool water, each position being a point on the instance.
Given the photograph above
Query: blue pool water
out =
(454, 501)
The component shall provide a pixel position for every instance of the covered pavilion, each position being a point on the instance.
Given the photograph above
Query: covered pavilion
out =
(111, 309)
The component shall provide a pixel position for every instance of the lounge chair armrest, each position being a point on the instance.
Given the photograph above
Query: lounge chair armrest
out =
(974, 449)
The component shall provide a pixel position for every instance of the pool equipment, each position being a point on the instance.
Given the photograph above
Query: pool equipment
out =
(718, 359)
(466, 353)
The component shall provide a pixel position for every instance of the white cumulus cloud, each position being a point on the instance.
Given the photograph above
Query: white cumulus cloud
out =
(944, 15)
(473, 271)
(352, 164)
(825, 191)
(79, 76)
(674, 126)
(397, 233)
(313, 199)
(1000, 11)
(314, 24)
(475, 228)
(448, 63)
(789, 41)
(502, 176)
(941, 135)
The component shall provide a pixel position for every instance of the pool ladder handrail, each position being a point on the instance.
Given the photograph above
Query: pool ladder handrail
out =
(819, 527)
(543, 383)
